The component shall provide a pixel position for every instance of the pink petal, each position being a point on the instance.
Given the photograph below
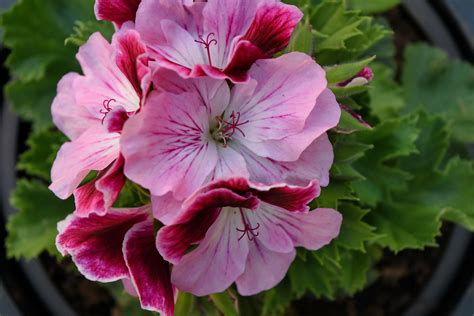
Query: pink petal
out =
(166, 208)
(194, 221)
(273, 26)
(99, 195)
(324, 116)
(149, 273)
(129, 287)
(95, 243)
(70, 117)
(227, 19)
(150, 12)
(311, 230)
(213, 94)
(264, 269)
(313, 164)
(278, 106)
(217, 262)
(104, 80)
(117, 11)
(230, 163)
(179, 157)
(94, 150)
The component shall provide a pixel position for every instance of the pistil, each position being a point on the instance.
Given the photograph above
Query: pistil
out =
(207, 45)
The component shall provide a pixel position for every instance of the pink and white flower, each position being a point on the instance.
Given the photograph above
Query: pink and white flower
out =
(270, 130)
(245, 233)
(91, 110)
(216, 38)
(116, 11)
(120, 246)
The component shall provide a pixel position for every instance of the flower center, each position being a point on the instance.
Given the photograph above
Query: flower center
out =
(106, 108)
(207, 44)
(248, 230)
(226, 129)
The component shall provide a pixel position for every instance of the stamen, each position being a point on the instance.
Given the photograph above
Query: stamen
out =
(248, 230)
(207, 45)
(227, 129)
(107, 108)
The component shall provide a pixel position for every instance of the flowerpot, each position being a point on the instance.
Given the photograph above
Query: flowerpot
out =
(437, 281)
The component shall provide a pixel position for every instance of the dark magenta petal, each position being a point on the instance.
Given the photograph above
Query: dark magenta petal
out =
(149, 272)
(130, 50)
(200, 213)
(291, 198)
(117, 11)
(95, 243)
(273, 26)
(100, 194)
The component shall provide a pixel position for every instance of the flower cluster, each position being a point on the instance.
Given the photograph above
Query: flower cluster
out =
(188, 103)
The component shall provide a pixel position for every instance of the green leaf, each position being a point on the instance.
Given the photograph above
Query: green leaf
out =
(35, 30)
(354, 231)
(184, 304)
(277, 300)
(348, 124)
(84, 29)
(302, 39)
(343, 72)
(39, 158)
(342, 34)
(355, 267)
(385, 94)
(431, 195)
(32, 229)
(224, 304)
(441, 85)
(374, 6)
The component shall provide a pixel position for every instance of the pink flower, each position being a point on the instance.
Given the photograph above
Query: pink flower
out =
(270, 130)
(245, 233)
(217, 38)
(120, 246)
(117, 11)
(91, 110)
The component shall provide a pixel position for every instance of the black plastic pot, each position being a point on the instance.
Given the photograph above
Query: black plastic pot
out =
(450, 291)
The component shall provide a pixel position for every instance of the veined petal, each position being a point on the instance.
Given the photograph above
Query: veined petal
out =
(214, 94)
(104, 80)
(166, 208)
(218, 260)
(229, 163)
(227, 19)
(96, 149)
(149, 273)
(264, 269)
(130, 48)
(286, 93)
(273, 26)
(72, 118)
(311, 230)
(179, 157)
(324, 116)
(95, 243)
(117, 11)
(198, 214)
(99, 195)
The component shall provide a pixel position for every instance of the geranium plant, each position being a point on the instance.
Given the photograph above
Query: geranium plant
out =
(230, 156)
